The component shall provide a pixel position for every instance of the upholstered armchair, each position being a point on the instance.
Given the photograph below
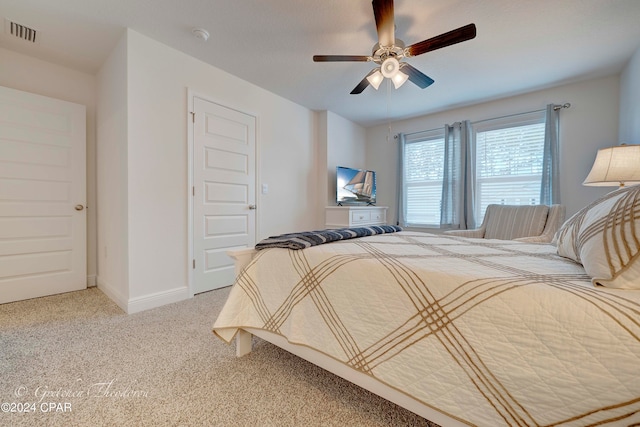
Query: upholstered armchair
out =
(526, 223)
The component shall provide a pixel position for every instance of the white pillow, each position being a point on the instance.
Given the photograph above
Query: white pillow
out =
(605, 238)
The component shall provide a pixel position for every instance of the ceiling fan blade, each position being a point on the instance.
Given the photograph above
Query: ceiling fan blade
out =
(340, 58)
(443, 40)
(363, 84)
(415, 76)
(383, 12)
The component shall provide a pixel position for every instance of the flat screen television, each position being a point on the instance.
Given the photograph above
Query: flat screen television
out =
(355, 186)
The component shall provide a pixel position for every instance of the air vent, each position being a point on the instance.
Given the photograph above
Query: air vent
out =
(20, 31)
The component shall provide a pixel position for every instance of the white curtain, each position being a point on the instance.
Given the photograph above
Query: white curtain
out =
(402, 217)
(550, 183)
(458, 185)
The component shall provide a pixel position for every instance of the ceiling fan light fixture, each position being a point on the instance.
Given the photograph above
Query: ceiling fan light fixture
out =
(390, 67)
(389, 51)
(399, 79)
(375, 79)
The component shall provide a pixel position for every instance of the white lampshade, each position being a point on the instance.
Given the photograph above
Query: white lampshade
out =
(375, 79)
(615, 166)
(390, 67)
(399, 79)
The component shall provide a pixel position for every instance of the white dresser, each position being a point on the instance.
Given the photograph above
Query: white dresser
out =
(355, 216)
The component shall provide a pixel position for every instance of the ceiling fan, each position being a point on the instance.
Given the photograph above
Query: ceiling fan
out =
(389, 51)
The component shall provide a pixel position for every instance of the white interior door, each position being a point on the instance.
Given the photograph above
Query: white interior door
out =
(224, 211)
(42, 196)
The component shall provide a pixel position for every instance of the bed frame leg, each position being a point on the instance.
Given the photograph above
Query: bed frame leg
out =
(243, 343)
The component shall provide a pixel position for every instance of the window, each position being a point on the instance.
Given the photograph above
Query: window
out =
(509, 155)
(423, 164)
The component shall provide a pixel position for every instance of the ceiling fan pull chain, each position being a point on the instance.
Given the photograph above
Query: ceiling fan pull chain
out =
(388, 111)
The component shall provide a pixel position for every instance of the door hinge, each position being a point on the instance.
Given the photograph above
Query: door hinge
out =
(194, 263)
(193, 116)
(193, 190)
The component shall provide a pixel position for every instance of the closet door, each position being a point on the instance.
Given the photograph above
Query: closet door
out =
(224, 199)
(42, 196)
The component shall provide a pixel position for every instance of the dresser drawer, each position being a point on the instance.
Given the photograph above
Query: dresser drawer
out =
(360, 217)
(378, 216)
(354, 216)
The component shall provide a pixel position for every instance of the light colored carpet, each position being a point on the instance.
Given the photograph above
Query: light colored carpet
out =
(162, 367)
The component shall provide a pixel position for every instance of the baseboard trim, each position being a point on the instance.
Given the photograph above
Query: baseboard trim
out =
(91, 281)
(145, 302)
(112, 293)
(158, 299)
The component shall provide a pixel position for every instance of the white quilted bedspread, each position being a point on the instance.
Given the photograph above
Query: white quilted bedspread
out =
(489, 332)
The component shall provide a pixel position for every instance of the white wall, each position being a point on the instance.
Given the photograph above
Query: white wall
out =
(323, 175)
(112, 174)
(630, 101)
(33, 75)
(346, 146)
(591, 123)
(340, 142)
(156, 102)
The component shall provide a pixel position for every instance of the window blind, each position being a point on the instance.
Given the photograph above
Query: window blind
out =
(423, 174)
(509, 162)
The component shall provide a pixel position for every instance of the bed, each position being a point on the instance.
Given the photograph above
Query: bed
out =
(460, 331)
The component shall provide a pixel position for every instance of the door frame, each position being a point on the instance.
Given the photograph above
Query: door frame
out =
(191, 95)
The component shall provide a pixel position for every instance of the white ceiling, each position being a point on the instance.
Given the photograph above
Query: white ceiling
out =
(521, 45)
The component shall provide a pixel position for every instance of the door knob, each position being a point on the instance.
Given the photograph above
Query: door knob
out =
(79, 207)
(252, 207)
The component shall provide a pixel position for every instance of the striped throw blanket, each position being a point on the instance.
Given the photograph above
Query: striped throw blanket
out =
(307, 239)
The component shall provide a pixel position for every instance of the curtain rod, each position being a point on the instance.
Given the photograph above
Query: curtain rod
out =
(560, 107)
(420, 131)
(556, 107)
